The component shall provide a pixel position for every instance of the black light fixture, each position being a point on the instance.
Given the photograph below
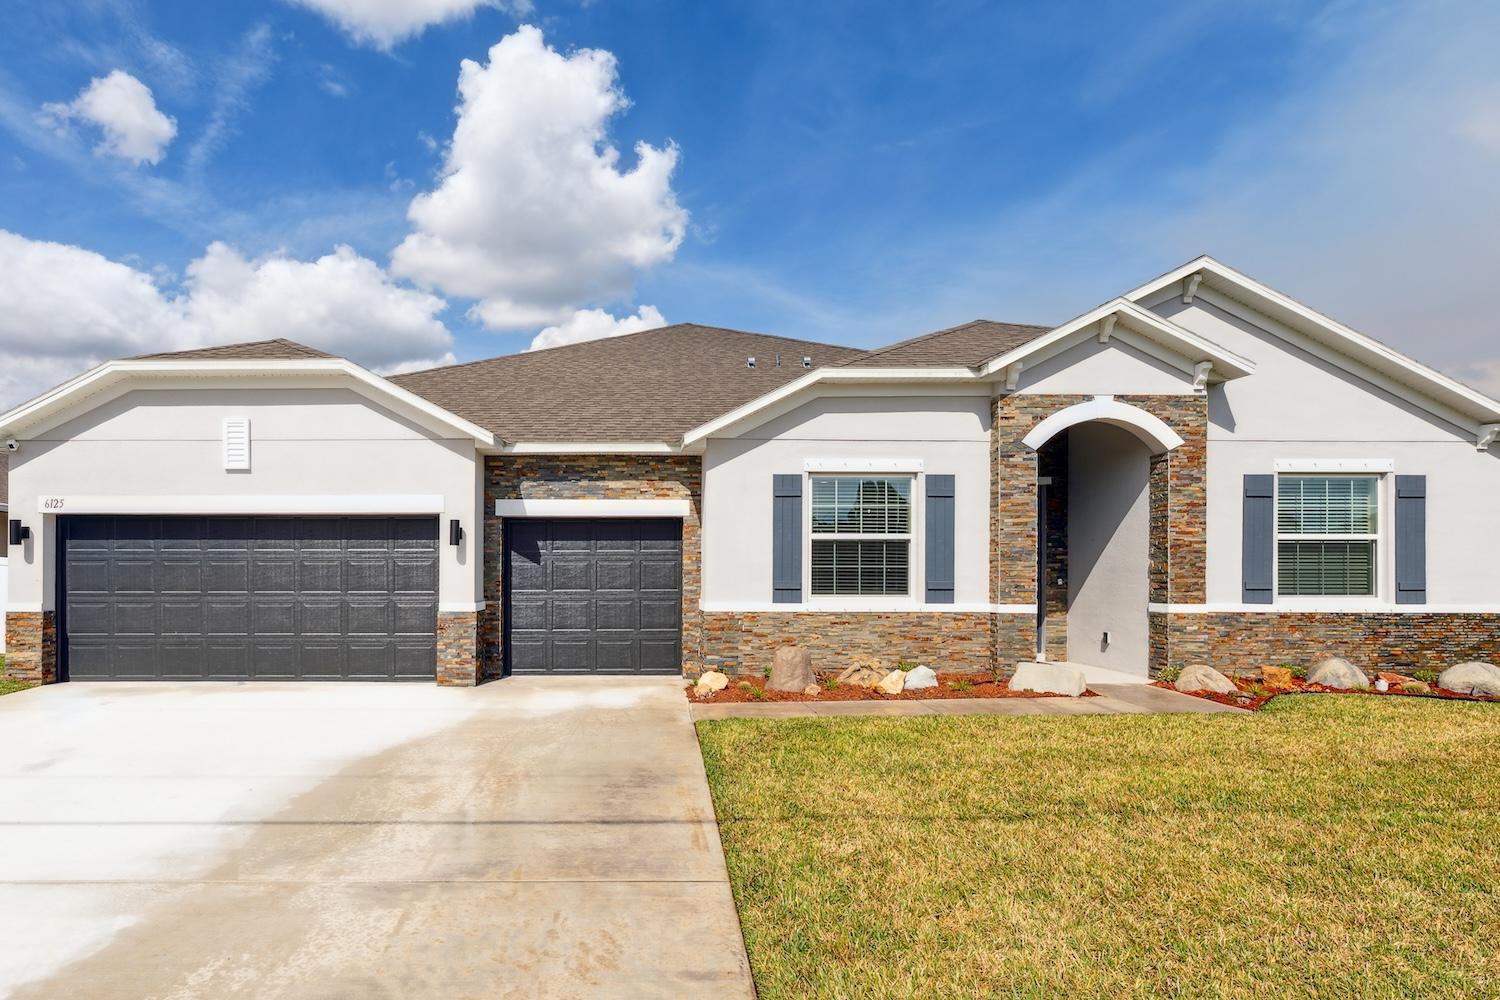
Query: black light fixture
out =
(18, 532)
(455, 533)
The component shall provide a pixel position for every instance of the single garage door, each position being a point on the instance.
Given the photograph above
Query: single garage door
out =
(593, 596)
(249, 598)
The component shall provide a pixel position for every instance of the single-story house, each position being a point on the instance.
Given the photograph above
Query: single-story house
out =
(1201, 470)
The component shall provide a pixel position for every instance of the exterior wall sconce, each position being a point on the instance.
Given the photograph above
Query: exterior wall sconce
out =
(455, 533)
(18, 532)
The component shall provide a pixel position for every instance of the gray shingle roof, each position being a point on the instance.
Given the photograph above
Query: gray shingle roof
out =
(652, 386)
(256, 350)
(970, 344)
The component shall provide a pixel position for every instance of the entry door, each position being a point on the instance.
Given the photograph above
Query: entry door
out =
(599, 596)
(249, 598)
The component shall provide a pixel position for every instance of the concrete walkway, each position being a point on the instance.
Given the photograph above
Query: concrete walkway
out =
(1112, 699)
(536, 838)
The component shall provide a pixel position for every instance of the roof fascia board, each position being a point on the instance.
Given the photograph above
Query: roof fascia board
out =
(1145, 323)
(760, 409)
(588, 448)
(1347, 342)
(111, 379)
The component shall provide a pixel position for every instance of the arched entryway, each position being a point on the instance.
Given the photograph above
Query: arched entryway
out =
(1094, 532)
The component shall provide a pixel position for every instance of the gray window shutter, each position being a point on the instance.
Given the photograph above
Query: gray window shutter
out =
(1411, 539)
(1257, 558)
(786, 539)
(939, 539)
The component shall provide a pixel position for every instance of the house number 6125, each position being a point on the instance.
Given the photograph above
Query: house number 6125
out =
(52, 503)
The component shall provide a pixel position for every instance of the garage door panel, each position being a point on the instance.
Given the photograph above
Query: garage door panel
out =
(582, 595)
(237, 597)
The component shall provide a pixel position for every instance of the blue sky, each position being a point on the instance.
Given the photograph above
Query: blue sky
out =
(851, 172)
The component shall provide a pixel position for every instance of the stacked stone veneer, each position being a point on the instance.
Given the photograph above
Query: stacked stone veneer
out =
(1243, 642)
(613, 477)
(458, 648)
(1178, 510)
(746, 642)
(31, 646)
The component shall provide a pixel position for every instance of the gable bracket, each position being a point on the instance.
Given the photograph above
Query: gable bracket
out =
(1190, 287)
(1013, 376)
(1107, 328)
(1201, 371)
(1488, 434)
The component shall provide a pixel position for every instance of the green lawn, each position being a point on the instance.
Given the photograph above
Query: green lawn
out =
(1329, 846)
(8, 686)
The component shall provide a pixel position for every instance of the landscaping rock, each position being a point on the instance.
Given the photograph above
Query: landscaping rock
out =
(1277, 678)
(791, 670)
(1201, 677)
(1336, 673)
(709, 682)
(1471, 678)
(1416, 687)
(865, 674)
(920, 677)
(892, 682)
(812, 690)
(1048, 678)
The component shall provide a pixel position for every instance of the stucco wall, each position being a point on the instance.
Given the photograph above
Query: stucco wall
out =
(304, 442)
(4, 587)
(1298, 406)
(1108, 557)
(1114, 369)
(947, 433)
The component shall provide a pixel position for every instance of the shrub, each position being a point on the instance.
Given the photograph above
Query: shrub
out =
(1169, 675)
(745, 686)
(758, 694)
(906, 665)
(962, 684)
(1299, 672)
(830, 684)
(1425, 676)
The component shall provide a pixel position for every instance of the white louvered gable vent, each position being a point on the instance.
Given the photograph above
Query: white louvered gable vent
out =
(236, 444)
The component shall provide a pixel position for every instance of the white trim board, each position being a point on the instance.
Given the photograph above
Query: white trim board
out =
(205, 505)
(863, 465)
(458, 607)
(1335, 465)
(863, 607)
(593, 507)
(1326, 608)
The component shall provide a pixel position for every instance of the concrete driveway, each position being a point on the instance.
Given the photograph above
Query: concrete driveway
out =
(544, 837)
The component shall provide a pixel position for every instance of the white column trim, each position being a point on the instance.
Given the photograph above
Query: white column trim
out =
(593, 507)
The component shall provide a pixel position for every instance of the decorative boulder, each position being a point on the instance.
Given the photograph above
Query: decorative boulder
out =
(1336, 673)
(812, 690)
(791, 670)
(865, 674)
(1471, 678)
(1201, 677)
(709, 682)
(892, 682)
(1277, 678)
(920, 677)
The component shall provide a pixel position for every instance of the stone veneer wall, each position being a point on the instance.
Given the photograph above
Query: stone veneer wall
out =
(1242, 642)
(458, 648)
(1178, 497)
(616, 477)
(744, 642)
(1052, 461)
(31, 646)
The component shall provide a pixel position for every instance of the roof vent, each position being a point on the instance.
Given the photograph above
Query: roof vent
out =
(807, 361)
(777, 361)
(750, 361)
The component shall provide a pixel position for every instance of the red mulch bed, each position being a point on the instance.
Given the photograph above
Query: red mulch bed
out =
(1254, 695)
(980, 686)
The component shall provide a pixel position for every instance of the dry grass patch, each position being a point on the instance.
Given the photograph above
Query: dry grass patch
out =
(1328, 846)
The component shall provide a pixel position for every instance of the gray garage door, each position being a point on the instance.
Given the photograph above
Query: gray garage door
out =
(249, 598)
(593, 596)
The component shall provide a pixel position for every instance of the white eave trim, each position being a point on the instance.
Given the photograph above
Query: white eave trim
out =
(1350, 343)
(862, 465)
(1108, 321)
(1329, 606)
(244, 504)
(593, 507)
(66, 397)
(588, 448)
(825, 376)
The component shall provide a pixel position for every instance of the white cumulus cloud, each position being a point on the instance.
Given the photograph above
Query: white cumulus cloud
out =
(67, 308)
(533, 216)
(596, 324)
(384, 23)
(124, 110)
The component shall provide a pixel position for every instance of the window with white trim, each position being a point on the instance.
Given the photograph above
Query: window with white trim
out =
(1327, 531)
(861, 536)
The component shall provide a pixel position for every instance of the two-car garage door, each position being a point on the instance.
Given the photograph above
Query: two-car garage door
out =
(249, 598)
